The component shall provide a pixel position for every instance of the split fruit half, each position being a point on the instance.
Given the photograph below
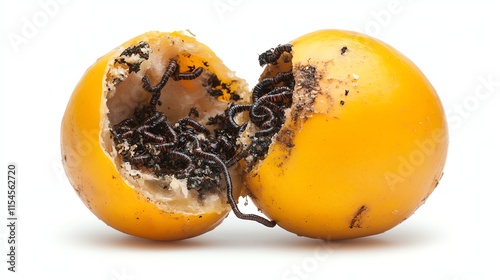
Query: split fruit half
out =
(136, 137)
(342, 137)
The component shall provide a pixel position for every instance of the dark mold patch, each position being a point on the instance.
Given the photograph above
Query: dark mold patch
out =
(215, 87)
(141, 49)
(285, 138)
(130, 59)
(306, 90)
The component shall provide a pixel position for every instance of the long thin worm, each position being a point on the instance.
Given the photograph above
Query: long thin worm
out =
(214, 158)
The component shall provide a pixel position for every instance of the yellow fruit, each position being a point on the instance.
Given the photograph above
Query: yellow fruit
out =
(132, 199)
(363, 145)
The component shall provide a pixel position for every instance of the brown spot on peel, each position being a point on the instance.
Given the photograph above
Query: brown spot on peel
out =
(285, 138)
(305, 92)
(356, 220)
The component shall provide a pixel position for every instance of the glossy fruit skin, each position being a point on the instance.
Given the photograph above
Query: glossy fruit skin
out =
(366, 154)
(94, 176)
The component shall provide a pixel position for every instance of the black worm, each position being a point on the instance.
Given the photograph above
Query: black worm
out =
(185, 160)
(235, 109)
(178, 149)
(214, 158)
(189, 76)
(196, 126)
(169, 71)
(140, 160)
(272, 55)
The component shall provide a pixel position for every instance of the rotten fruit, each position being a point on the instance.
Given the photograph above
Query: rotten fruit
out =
(145, 141)
(342, 137)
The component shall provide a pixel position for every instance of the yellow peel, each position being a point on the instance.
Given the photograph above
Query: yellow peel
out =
(363, 146)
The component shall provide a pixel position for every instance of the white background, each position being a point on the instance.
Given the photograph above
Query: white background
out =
(47, 45)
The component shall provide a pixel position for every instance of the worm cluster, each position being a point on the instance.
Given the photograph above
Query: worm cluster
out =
(189, 150)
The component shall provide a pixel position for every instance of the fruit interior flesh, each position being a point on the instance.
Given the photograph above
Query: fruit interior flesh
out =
(163, 175)
(172, 137)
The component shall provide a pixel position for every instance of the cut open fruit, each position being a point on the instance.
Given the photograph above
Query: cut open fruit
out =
(160, 104)
(145, 141)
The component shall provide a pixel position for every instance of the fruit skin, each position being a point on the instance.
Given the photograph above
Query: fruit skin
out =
(94, 176)
(356, 163)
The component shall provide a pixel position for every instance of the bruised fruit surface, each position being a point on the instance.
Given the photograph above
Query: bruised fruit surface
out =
(143, 141)
(363, 144)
